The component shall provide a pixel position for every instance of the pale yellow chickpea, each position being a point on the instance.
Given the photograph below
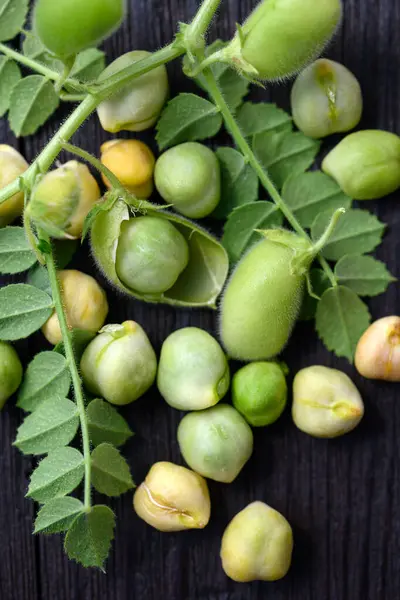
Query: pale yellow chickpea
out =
(132, 162)
(12, 165)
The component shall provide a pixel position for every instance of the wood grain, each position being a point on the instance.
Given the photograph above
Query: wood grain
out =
(342, 497)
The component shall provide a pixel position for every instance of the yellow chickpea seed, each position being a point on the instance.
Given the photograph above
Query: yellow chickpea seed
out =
(378, 351)
(132, 162)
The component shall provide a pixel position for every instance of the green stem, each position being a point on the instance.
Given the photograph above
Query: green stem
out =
(65, 97)
(201, 21)
(76, 380)
(65, 74)
(30, 63)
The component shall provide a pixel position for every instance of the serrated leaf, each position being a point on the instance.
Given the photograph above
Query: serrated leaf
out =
(319, 283)
(58, 514)
(239, 182)
(110, 471)
(52, 425)
(364, 275)
(33, 101)
(310, 194)
(16, 254)
(341, 320)
(80, 339)
(38, 277)
(285, 154)
(239, 231)
(357, 232)
(33, 47)
(23, 310)
(12, 18)
(57, 475)
(187, 117)
(46, 377)
(89, 538)
(106, 424)
(9, 77)
(88, 65)
(263, 117)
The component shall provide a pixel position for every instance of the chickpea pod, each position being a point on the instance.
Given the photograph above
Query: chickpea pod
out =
(216, 442)
(132, 162)
(193, 372)
(366, 164)
(257, 545)
(138, 105)
(326, 403)
(259, 392)
(120, 364)
(151, 254)
(326, 98)
(378, 350)
(10, 372)
(188, 177)
(63, 198)
(12, 165)
(85, 305)
(173, 498)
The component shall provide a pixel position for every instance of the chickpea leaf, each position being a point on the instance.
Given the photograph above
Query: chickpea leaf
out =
(319, 283)
(23, 310)
(9, 77)
(110, 471)
(12, 18)
(88, 65)
(310, 194)
(186, 118)
(38, 277)
(364, 275)
(46, 377)
(341, 319)
(106, 424)
(33, 101)
(263, 117)
(357, 232)
(16, 254)
(285, 154)
(89, 537)
(239, 182)
(33, 48)
(52, 425)
(57, 475)
(239, 230)
(58, 514)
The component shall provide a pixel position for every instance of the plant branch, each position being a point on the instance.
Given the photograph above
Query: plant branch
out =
(31, 63)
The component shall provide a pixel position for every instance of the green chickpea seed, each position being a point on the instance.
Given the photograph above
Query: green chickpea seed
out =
(188, 177)
(193, 372)
(259, 392)
(151, 254)
(10, 372)
(216, 442)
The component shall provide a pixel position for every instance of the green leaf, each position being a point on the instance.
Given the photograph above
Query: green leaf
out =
(52, 425)
(110, 471)
(357, 232)
(33, 48)
(319, 283)
(263, 118)
(89, 538)
(239, 230)
(285, 154)
(341, 320)
(16, 255)
(364, 275)
(9, 77)
(57, 475)
(187, 117)
(106, 424)
(239, 182)
(89, 65)
(12, 18)
(33, 101)
(38, 277)
(23, 310)
(80, 339)
(312, 193)
(58, 514)
(47, 376)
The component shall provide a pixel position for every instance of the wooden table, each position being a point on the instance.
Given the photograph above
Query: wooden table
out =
(342, 497)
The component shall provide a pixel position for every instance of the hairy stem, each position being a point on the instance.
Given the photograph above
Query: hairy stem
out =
(31, 63)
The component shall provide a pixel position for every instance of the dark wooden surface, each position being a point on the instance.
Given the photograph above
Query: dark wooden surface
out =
(342, 497)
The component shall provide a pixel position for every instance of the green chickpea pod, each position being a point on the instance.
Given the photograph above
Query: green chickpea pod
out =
(138, 105)
(193, 371)
(67, 27)
(151, 254)
(326, 98)
(188, 177)
(10, 372)
(119, 364)
(216, 442)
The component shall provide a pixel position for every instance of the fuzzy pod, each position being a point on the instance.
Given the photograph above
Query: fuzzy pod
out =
(10, 372)
(12, 165)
